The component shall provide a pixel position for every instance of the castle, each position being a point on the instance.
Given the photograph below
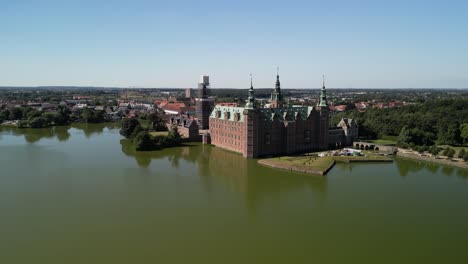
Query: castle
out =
(277, 128)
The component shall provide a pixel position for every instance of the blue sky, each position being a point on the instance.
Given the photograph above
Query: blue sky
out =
(356, 44)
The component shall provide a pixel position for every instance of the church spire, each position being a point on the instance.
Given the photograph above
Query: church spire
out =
(323, 94)
(251, 100)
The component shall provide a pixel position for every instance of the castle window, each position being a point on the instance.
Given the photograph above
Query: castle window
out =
(267, 138)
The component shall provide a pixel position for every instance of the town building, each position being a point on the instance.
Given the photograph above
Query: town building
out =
(203, 103)
(278, 128)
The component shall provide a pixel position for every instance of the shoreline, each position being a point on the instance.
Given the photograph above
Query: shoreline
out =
(446, 162)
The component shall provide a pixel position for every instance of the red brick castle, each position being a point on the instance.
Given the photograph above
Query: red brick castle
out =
(277, 128)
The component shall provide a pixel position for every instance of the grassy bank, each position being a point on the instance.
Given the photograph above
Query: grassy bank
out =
(317, 165)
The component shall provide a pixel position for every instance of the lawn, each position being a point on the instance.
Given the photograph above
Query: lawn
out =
(159, 133)
(457, 149)
(315, 164)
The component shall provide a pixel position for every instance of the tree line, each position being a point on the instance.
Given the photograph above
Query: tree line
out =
(434, 122)
(31, 117)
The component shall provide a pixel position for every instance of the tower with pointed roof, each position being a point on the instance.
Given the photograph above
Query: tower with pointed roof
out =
(323, 94)
(324, 116)
(276, 96)
(251, 100)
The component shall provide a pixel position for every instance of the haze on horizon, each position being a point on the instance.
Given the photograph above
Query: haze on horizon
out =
(357, 44)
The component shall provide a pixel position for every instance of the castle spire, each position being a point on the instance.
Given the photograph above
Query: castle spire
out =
(251, 100)
(276, 96)
(323, 94)
(278, 85)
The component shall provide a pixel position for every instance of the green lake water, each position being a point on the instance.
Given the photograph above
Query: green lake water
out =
(80, 194)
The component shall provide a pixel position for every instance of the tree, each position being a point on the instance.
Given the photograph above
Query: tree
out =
(16, 114)
(465, 158)
(174, 137)
(65, 113)
(404, 137)
(91, 116)
(5, 114)
(461, 154)
(128, 126)
(156, 122)
(464, 133)
(449, 135)
(38, 122)
(143, 141)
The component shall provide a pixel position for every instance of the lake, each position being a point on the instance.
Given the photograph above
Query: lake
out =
(81, 194)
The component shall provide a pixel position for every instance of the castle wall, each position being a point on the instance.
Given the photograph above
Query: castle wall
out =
(228, 134)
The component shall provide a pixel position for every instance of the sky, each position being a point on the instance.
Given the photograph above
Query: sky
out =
(136, 43)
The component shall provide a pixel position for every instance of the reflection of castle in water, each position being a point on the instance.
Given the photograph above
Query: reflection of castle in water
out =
(217, 166)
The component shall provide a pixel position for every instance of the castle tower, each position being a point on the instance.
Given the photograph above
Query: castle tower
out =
(203, 104)
(324, 117)
(323, 94)
(251, 100)
(276, 96)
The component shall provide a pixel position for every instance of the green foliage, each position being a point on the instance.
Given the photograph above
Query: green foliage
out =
(449, 152)
(22, 124)
(5, 114)
(434, 150)
(128, 126)
(404, 138)
(465, 157)
(174, 135)
(16, 114)
(136, 131)
(38, 122)
(33, 113)
(91, 116)
(426, 123)
(53, 118)
(464, 133)
(143, 141)
(449, 135)
(461, 154)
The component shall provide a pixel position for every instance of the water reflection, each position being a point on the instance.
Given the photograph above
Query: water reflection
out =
(34, 135)
(94, 129)
(216, 166)
(408, 167)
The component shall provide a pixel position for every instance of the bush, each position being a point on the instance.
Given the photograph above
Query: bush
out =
(446, 151)
(465, 158)
(450, 153)
(22, 124)
(143, 141)
(461, 154)
(38, 122)
(434, 150)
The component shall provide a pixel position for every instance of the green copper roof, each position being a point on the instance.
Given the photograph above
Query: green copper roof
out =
(231, 113)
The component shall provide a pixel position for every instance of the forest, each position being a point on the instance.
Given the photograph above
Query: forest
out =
(434, 122)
